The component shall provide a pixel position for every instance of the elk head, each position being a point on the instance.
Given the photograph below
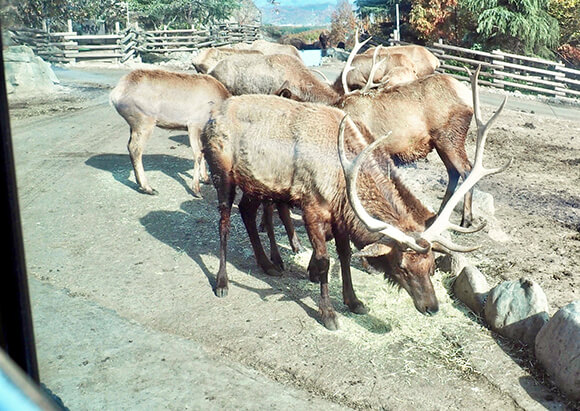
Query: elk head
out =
(407, 258)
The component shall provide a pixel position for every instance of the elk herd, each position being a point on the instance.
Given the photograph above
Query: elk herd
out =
(285, 136)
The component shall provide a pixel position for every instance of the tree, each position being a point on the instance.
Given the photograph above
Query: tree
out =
(567, 12)
(343, 24)
(55, 13)
(182, 13)
(434, 19)
(520, 26)
(32, 13)
(382, 9)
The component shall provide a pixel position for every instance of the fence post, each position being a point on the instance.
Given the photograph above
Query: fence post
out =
(69, 25)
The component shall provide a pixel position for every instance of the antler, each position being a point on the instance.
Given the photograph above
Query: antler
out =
(321, 75)
(351, 169)
(370, 81)
(442, 223)
(348, 66)
(432, 234)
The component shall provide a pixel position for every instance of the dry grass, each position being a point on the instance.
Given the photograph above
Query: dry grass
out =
(393, 327)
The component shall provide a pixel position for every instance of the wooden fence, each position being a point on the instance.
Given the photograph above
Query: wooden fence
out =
(70, 47)
(511, 71)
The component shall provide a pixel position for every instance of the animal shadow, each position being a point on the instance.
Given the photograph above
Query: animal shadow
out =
(119, 165)
(194, 230)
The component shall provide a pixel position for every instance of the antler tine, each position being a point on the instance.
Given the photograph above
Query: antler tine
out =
(351, 170)
(371, 80)
(442, 223)
(348, 66)
(321, 75)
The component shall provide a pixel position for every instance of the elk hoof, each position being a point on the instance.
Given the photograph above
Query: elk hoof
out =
(278, 263)
(149, 190)
(296, 247)
(358, 308)
(221, 291)
(196, 191)
(273, 272)
(330, 320)
(466, 222)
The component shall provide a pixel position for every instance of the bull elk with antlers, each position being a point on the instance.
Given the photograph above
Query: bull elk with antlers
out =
(433, 112)
(279, 149)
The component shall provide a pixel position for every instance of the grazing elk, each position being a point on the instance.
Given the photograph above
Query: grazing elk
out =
(209, 57)
(433, 112)
(156, 98)
(279, 149)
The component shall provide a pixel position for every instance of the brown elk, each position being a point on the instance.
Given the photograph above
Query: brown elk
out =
(279, 149)
(433, 112)
(156, 98)
(392, 69)
(265, 74)
(424, 61)
(268, 47)
(209, 57)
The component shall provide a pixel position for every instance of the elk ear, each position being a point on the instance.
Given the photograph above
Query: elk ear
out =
(374, 250)
(285, 93)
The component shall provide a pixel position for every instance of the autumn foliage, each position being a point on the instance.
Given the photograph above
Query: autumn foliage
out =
(343, 24)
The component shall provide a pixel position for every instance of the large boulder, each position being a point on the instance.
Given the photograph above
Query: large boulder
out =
(517, 310)
(25, 72)
(558, 349)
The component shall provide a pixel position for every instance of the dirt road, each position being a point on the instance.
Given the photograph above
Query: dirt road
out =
(121, 282)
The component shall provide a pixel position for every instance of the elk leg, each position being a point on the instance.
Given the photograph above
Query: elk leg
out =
(268, 221)
(140, 133)
(249, 209)
(457, 166)
(450, 146)
(226, 193)
(344, 254)
(199, 169)
(284, 213)
(320, 263)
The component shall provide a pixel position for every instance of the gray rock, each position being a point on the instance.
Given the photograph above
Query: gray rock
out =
(451, 263)
(517, 310)
(558, 349)
(471, 288)
(26, 72)
(483, 205)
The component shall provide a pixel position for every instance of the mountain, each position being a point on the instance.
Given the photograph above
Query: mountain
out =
(296, 12)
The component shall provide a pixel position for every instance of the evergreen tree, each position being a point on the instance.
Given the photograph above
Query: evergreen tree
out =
(520, 26)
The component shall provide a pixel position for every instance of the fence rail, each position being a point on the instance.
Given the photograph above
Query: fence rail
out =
(511, 71)
(70, 47)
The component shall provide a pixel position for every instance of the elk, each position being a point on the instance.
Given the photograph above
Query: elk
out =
(286, 151)
(156, 98)
(209, 57)
(424, 61)
(433, 112)
(268, 47)
(267, 73)
(393, 69)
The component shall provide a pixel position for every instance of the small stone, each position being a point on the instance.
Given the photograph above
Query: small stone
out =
(451, 263)
(483, 205)
(471, 288)
(558, 349)
(517, 310)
